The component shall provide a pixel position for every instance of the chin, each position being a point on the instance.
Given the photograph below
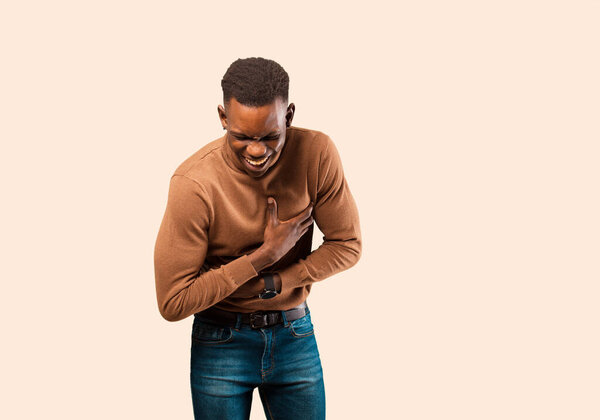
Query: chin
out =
(257, 174)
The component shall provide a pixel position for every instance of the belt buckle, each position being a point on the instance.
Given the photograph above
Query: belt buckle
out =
(255, 316)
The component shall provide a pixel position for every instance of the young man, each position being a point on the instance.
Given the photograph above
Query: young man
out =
(234, 250)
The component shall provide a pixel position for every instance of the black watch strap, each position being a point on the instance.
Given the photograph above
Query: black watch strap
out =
(269, 279)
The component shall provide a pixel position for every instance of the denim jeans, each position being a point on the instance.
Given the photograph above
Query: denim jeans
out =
(282, 360)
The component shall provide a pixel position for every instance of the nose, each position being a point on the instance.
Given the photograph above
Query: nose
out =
(256, 149)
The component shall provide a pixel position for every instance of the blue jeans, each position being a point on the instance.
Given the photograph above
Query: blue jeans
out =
(282, 360)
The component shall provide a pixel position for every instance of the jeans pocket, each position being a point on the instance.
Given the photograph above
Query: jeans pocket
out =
(204, 332)
(302, 327)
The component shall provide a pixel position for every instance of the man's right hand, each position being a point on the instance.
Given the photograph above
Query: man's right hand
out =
(281, 235)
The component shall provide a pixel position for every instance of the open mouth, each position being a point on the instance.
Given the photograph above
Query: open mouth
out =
(255, 164)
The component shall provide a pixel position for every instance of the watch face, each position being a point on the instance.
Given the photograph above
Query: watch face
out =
(268, 294)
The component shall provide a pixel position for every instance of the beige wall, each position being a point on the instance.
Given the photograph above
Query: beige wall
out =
(469, 136)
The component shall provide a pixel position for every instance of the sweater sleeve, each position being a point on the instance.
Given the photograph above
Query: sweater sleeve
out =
(183, 286)
(336, 215)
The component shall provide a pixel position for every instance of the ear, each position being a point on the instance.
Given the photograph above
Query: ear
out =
(289, 115)
(222, 116)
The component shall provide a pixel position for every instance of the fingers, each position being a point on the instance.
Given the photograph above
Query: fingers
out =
(306, 223)
(272, 210)
(304, 214)
(299, 218)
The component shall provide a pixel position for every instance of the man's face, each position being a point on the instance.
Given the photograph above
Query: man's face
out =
(256, 135)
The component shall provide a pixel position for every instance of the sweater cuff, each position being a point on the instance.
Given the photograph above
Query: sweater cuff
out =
(239, 271)
(293, 276)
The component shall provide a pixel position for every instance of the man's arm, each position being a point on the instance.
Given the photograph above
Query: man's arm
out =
(336, 215)
(182, 287)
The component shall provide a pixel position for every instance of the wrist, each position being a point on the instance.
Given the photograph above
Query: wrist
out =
(272, 285)
(261, 259)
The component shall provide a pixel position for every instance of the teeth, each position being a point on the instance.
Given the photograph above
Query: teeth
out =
(256, 162)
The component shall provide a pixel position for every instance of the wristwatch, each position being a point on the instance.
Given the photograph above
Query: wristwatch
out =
(270, 291)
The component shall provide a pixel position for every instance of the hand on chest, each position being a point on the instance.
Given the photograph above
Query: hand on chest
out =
(240, 216)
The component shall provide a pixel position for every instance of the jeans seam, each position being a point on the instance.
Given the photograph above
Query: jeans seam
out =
(303, 335)
(263, 354)
(272, 358)
(268, 406)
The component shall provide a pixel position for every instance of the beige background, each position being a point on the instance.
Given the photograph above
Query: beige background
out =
(469, 135)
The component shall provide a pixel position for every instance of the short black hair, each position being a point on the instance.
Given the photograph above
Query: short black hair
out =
(255, 81)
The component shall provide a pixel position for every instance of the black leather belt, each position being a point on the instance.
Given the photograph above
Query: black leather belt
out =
(256, 319)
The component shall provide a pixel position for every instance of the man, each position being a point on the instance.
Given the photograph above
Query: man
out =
(234, 250)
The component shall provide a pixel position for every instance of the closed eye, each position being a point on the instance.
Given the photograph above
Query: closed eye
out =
(248, 138)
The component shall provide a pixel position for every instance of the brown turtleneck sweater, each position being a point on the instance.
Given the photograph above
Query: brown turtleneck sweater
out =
(216, 215)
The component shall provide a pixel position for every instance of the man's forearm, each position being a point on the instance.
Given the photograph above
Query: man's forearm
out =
(181, 295)
(328, 259)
